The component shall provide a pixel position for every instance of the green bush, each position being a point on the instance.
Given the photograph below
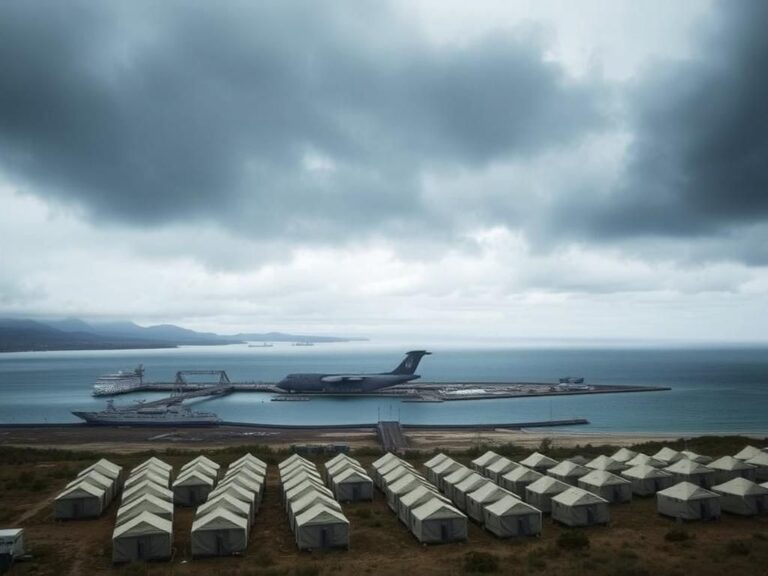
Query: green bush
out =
(573, 540)
(480, 563)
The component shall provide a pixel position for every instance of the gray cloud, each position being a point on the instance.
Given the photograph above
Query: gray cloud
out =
(149, 113)
(698, 165)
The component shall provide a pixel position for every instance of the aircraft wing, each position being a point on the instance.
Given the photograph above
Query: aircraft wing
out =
(341, 378)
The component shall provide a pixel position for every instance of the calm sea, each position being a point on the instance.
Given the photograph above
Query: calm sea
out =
(713, 389)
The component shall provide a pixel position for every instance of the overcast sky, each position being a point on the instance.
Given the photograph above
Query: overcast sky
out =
(431, 169)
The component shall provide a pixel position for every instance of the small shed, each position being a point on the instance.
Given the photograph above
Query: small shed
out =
(499, 467)
(83, 500)
(728, 468)
(606, 463)
(437, 522)
(610, 487)
(539, 462)
(321, 527)
(192, 488)
(509, 517)
(743, 497)
(689, 471)
(146, 503)
(219, 533)
(480, 463)
(568, 472)
(519, 479)
(145, 537)
(577, 507)
(688, 501)
(539, 494)
(647, 480)
(352, 486)
(480, 498)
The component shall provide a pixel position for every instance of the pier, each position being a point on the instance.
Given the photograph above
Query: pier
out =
(391, 436)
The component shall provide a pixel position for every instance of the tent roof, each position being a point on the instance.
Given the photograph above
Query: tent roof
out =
(458, 475)
(201, 460)
(248, 457)
(489, 490)
(234, 490)
(193, 478)
(522, 474)
(312, 498)
(623, 455)
(647, 460)
(509, 504)
(486, 459)
(435, 460)
(351, 475)
(447, 465)
(94, 478)
(604, 462)
(404, 482)
(224, 501)
(147, 487)
(686, 466)
(687, 491)
(199, 469)
(691, 455)
(499, 464)
(148, 474)
(578, 497)
(578, 459)
(291, 459)
(759, 460)
(645, 471)
(219, 519)
(538, 459)
(472, 482)
(741, 487)
(341, 457)
(384, 459)
(244, 481)
(81, 489)
(546, 485)
(436, 507)
(320, 514)
(603, 478)
(146, 500)
(417, 492)
(104, 467)
(568, 468)
(154, 461)
(666, 454)
(730, 463)
(748, 452)
(144, 524)
(342, 467)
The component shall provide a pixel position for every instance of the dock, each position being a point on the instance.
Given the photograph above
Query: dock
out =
(391, 436)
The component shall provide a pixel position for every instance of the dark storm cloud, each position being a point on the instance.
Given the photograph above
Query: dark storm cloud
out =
(699, 161)
(149, 112)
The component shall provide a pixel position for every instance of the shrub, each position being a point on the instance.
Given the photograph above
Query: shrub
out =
(573, 540)
(480, 563)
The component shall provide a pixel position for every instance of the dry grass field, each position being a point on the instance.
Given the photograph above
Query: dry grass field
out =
(636, 542)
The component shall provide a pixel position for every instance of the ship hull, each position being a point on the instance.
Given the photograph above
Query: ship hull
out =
(97, 419)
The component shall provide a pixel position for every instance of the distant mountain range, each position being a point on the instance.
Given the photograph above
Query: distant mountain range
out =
(24, 335)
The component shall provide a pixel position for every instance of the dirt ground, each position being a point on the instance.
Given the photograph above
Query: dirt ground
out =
(633, 544)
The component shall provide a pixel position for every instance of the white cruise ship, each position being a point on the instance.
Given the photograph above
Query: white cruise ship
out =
(119, 382)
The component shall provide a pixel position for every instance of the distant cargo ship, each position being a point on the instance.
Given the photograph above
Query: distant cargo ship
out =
(165, 415)
(572, 380)
(262, 345)
(119, 382)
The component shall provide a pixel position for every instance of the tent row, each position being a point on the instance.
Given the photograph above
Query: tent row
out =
(688, 501)
(348, 480)
(431, 517)
(222, 525)
(144, 522)
(195, 481)
(91, 493)
(315, 517)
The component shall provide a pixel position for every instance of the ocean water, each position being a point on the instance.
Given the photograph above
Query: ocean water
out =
(712, 389)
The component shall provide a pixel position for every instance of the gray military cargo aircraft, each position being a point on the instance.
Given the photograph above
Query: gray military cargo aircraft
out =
(345, 383)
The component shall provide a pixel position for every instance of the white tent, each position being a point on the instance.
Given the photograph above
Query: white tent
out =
(518, 480)
(83, 500)
(471, 483)
(450, 481)
(623, 455)
(145, 537)
(192, 488)
(610, 487)
(480, 498)
(499, 467)
(297, 469)
(106, 468)
(419, 495)
(393, 475)
(577, 507)
(700, 458)
(340, 467)
(386, 464)
(761, 462)
(100, 481)
(688, 502)
(728, 468)
(606, 463)
(508, 517)
(250, 483)
(207, 462)
(290, 460)
(146, 503)
(539, 462)
(689, 471)
(153, 461)
(539, 493)
(645, 460)
(568, 472)
(299, 490)
(150, 475)
(436, 522)
(250, 458)
(238, 493)
(747, 452)
(647, 480)
(388, 457)
(138, 490)
(440, 471)
(247, 466)
(480, 463)
(402, 485)
(668, 456)
(298, 479)
(219, 533)
(339, 458)
(741, 496)
(306, 502)
(321, 527)
(352, 486)
(435, 460)
(578, 459)
(229, 503)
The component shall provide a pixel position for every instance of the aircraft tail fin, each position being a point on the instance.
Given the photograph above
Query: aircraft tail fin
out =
(411, 362)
